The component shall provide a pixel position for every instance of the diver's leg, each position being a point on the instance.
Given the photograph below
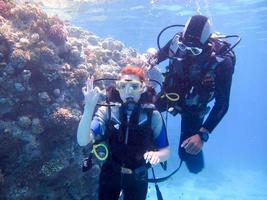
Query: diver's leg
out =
(189, 126)
(109, 183)
(134, 189)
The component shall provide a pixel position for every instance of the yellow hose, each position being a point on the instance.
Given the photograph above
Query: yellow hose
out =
(95, 146)
(172, 96)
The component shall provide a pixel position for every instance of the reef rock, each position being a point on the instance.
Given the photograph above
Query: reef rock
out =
(44, 63)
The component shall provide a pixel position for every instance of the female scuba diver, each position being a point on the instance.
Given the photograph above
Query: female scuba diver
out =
(134, 130)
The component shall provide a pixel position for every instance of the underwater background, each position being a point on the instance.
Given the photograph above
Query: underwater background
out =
(45, 61)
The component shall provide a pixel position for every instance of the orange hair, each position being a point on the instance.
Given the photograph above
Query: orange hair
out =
(134, 70)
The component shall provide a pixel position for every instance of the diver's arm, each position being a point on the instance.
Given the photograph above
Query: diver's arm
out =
(84, 135)
(194, 144)
(161, 141)
(163, 53)
(155, 157)
(164, 153)
(222, 96)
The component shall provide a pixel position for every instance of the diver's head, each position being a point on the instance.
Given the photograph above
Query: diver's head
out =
(197, 31)
(195, 36)
(131, 84)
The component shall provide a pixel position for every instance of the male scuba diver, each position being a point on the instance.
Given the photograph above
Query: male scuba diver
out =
(134, 130)
(200, 69)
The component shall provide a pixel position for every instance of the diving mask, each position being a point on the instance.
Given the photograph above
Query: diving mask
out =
(132, 85)
(130, 89)
(195, 51)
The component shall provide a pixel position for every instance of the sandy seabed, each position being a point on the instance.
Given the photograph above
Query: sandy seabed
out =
(226, 184)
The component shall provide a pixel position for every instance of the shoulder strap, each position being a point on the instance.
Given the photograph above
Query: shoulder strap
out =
(108, 124)
(215, 62)
(149, 112)
(109, 114)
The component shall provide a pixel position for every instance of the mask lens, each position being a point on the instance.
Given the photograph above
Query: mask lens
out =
(195, 51)
(123, 85)
(192, 50)
(135, 86)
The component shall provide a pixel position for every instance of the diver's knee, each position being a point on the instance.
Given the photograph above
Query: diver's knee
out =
(195, 170)
(195, 164)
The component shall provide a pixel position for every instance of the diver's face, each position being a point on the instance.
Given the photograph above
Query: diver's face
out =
(130, 88)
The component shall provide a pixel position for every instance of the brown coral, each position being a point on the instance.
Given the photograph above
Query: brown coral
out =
(5, 9)
(19, 58)
(62, 117)
(57, 33)
(4, 49)
(80, 75)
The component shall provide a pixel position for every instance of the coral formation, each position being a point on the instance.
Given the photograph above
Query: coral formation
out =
(19, 58)
(52, 167)
(63, 117)
(5, 8)
(1, 177)
(57, 33)
(37, 126)
(24, 122)
(44, 63)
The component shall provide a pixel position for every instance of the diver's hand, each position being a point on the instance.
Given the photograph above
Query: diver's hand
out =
(91, 95)
(152, 60)
(152, 57)
(193, 144)
(152, 157)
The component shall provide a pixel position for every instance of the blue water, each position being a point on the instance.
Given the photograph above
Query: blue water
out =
(236, 160)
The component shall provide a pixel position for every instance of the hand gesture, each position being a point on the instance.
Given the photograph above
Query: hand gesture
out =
(90, 94)
(152, 60)
(152, 57)
(193, 144)
(152, 157)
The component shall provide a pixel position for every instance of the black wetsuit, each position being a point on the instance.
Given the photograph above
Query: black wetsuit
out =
(193, 116)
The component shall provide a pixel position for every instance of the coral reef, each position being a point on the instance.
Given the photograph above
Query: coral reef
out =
(1, 178)
(5, 8)
(37, 126)
(57, 34)
(52, 167)
(43, 65)
(19, 58)
(63, 117)
(24, 122)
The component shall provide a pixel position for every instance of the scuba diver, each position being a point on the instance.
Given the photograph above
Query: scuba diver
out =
(134, 130)
(200, 69)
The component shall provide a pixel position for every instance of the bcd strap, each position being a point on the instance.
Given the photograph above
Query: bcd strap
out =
(149, 115)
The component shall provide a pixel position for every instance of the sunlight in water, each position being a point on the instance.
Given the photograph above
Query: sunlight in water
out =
(66, 9)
